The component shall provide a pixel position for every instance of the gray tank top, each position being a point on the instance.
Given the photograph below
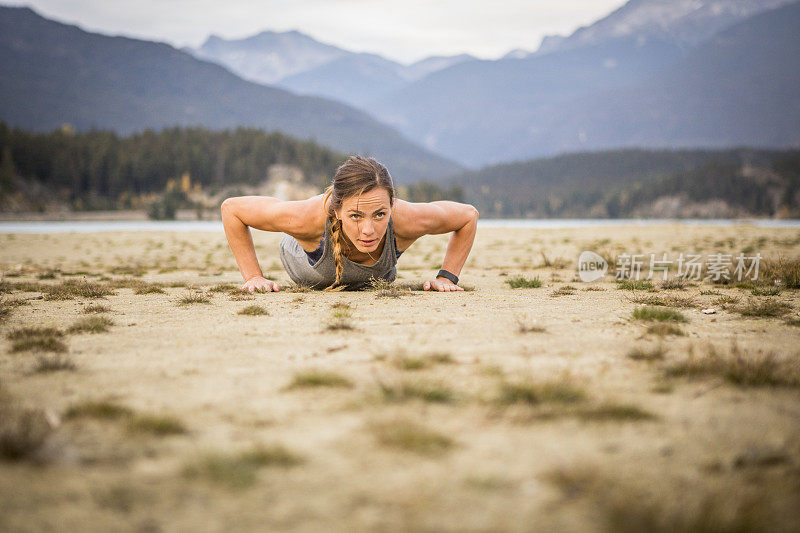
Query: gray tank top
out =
(323, 272)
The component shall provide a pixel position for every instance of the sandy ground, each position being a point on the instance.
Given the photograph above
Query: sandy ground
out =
(417, 436)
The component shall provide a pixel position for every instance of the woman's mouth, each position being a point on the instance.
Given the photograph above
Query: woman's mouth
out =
(367, 243)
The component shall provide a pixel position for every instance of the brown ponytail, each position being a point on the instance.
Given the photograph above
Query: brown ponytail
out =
(356, 176)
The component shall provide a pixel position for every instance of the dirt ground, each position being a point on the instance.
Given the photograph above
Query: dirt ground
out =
(492, 409)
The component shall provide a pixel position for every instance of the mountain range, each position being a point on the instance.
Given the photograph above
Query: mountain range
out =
(635, 88)
(652, 74)
(303, 65)
(54, 73)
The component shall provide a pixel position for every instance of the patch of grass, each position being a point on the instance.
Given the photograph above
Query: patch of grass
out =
(659, 314)
(634, 285)
(725, 302)
(319, 378)
(224, 287)
(424, 390)
(662, 329)
(71, 288)
(96, 309)
(738, 366)
(23, 431)
(530, 392)
(387, 289)
(156, 424)
(403, 361)
(33, 331)
(92, 324)
(655, 353)
(99, 409)
(664, 301)
(516, 282)
(594, 288)
(564, 290)
(674, 284)
(149, 288)
(708, 292)
(254, 310)
(239, 470)
(299, 288)
(615, 412)
(765, 291)
(53, 363)
(36, 338)
(627, 508)
(784, 271)
(340, 318)
(764, 308)
(795, 321)
(7, 305)
(194, 298)
(407, 435)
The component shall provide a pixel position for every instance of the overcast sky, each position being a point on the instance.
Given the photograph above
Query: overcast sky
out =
(403, 30)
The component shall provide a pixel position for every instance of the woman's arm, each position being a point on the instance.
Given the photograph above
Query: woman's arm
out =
(240, 213)
(444, 216)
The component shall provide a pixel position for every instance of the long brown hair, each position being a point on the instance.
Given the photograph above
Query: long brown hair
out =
(354, 177)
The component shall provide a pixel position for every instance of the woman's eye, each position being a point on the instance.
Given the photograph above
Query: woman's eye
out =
(380, 215)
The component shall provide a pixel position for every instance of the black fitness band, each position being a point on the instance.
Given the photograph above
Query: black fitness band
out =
(449, 275)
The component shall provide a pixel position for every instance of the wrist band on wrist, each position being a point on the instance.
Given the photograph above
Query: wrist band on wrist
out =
(449, 275)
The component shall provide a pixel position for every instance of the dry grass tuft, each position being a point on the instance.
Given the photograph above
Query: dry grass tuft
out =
(763, 308)
(53, 363)
(23, 431)
(96, 309)
(418, 389)
(92, 324)
(658, 314)
(254, 310)
(239, 470)
(655, 353)
(634, 285)
(36, 338)
(71, 288)
(662, 329)
(315, 378)
(741, 367)
(529, 392)
(407, 435)
(664, 301)
(516, 282)
(194, 298)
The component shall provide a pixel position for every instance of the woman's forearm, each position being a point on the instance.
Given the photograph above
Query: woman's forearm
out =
(241, 241)
(459, 246)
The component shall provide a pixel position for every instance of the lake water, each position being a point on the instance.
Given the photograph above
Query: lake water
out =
(210, 225)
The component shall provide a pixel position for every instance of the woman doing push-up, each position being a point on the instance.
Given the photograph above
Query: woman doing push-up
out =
(352, 233)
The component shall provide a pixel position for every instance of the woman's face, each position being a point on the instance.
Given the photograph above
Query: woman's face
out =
(365, 218)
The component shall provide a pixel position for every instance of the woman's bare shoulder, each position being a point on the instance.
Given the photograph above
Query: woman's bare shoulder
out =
(406, 216)
(310, 219)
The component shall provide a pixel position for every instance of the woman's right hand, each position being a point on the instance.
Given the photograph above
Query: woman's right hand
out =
(260, 284)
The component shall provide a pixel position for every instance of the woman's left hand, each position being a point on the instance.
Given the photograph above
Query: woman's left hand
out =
(440, 284)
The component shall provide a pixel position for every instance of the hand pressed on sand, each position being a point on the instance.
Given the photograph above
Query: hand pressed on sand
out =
(260, 284)
(441, 284)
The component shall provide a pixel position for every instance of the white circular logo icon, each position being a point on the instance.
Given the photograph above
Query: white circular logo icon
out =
(591, 266)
